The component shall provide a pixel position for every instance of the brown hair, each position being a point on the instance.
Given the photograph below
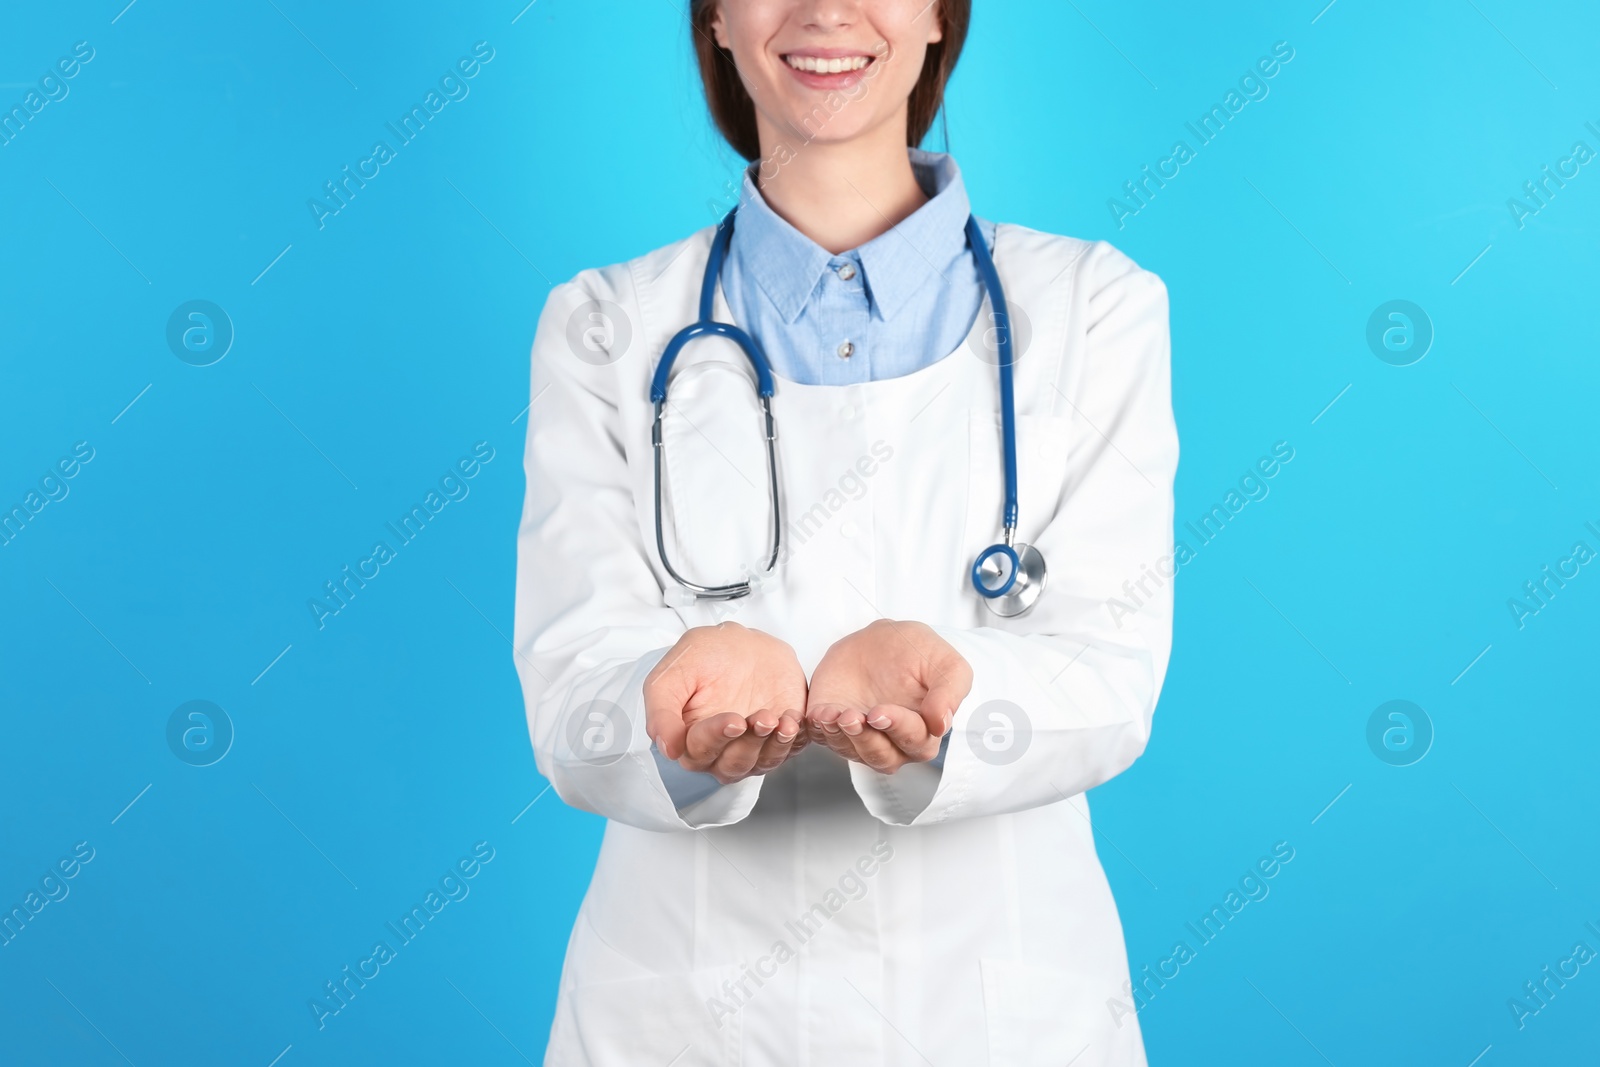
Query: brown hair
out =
(735, 113)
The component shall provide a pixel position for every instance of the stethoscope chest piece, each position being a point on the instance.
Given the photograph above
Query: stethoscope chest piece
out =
(1009, 578)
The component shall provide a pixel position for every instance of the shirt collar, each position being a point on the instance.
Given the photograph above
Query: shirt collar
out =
(894, 264)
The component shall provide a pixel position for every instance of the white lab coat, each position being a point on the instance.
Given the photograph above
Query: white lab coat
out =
(826, 914)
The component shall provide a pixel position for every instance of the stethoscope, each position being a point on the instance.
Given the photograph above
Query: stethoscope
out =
(1008, 575)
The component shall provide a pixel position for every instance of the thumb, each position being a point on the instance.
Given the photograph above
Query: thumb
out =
(939, 706)
(667, 691)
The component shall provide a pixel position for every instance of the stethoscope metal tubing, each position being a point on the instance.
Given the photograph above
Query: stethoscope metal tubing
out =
(733, 590)
(708, 327)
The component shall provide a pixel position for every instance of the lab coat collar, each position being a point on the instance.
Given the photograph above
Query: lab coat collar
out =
(894, 263)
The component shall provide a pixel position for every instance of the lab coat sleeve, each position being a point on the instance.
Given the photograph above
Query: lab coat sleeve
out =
(1062, 697)
(590, 622)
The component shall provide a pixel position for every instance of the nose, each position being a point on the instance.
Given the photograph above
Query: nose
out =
(829, 14)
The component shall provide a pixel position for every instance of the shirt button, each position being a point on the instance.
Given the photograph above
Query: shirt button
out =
(846, 350)
(847, 271)
(849, 529)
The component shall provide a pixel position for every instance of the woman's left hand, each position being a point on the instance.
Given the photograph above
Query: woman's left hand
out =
(886, 694)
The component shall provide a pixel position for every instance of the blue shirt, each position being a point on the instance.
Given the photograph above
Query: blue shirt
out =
(902, 301)
(905, 299)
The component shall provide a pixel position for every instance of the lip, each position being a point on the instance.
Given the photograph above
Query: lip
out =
(842, 80)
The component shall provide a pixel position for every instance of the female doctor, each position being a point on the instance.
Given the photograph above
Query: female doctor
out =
(836, 611)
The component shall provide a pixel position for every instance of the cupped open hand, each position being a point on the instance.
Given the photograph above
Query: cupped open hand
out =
(885, 695)
(727, 700)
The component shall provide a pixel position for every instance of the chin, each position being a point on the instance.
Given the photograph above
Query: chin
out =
(806, 128)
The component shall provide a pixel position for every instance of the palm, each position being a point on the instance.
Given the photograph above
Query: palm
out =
(885, 694)
(749, 684)
(727, 700)
(859, 679)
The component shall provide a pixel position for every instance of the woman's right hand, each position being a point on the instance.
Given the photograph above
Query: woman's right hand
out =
(728, 701)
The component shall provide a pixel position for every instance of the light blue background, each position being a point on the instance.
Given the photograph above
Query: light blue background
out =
(376, 351)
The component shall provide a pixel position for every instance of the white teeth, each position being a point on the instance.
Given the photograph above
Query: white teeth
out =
(828, 66)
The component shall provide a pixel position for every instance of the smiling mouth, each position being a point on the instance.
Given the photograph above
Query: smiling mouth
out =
(822, 65)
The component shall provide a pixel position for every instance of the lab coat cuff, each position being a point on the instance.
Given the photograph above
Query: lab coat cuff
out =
(698, 801)
(901, 798)
(924, 794)
(625, 784)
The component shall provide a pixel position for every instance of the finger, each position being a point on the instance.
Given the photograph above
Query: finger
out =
(763, 722)
(853, 721)
(790, 728)
(906, 730)
(876, 750)
(738, 758)
(830, 735)
(825, 713)
(707, 738)
(778, 747)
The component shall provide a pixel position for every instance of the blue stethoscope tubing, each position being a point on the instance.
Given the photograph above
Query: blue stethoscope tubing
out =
(1007, 590)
